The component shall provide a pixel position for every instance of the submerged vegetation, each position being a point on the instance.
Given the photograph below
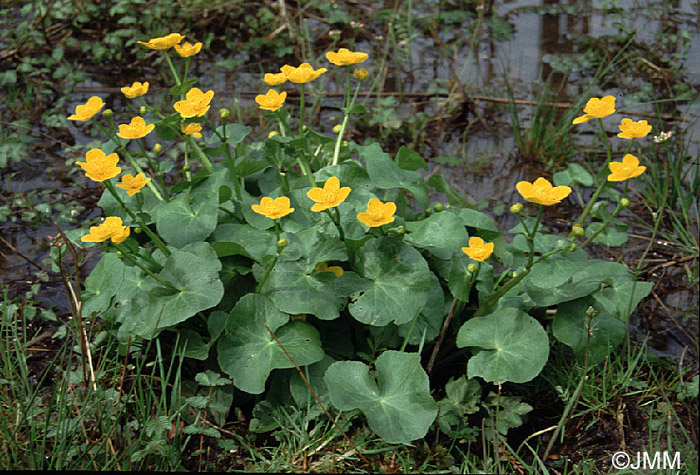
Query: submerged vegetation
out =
(249, 248)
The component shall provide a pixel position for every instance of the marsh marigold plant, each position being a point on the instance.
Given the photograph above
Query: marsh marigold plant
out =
(542, 192)
(187, 49)
(133, 184)
(345, 57)
(628, 168)
(163, 42)
(302, 74)
(136, 129)
(329, 196)
(112, 228)
(634, 130)
(135, 90)
(196, 103)
(597, 109)
(378, 213)
(86, 111)
(271, 101)
(478, 250)
(273, 208)
(100, 167)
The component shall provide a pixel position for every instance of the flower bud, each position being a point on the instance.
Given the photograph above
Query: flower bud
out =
(514, 274)
(107, 113)
(361, 74)
(438, 206)
(573, 247)
(272, 134)
(472, 268)
(137, 230)
(337, 128)
(401, 229)
(282, 243)
(578, 230)
(157, 148)
(624, 202)
(346, 143)
(142, 110)
(224, 113)
(516, 208)
(120, 254)
(304, 128)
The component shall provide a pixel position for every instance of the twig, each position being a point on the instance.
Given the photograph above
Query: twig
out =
(301, 373)
(443, 331)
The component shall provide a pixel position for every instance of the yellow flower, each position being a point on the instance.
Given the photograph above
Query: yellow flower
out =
(112, 228)
(542, 192)
(275, 79)
(477, 250)
(98, 166)
(187, 49)
(192, 129)
(137, 89)
(133, 184)
(272, 100)
(86, 111)
(633, 130)
(196, 103)
(324, 267)
(597, 109)
(628, 168)
(164, 42)
(345, 57)
(273, 209)
(303, 74)
(136, 129)
(329, 196)
(377, 213)
(360, 74)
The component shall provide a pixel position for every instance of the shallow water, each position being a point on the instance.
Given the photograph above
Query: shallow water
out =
(517, 44)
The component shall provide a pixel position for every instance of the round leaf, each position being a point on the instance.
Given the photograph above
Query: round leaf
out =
(514, 346)
(398, 405)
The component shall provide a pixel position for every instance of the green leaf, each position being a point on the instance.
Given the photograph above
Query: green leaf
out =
(397, 282)
(605, 333)
(430, 318)
(314, 375)
(102, 284)
(398, 405)
(410, 160)
(188, 218)
(234, 133)
(612, 236)
(462, 398)
(441, 185)
(476, 219)
(621, 298)
(193, 270)
(442, 234)
(248, 353)
(386, 174)
(513, 346)
(166, 129)
(298, 289)
(183, 87)
(231, 238)
(575, 173)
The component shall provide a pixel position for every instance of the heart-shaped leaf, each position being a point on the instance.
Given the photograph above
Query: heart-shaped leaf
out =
(187, 219)
(514, 346)
(397, 282)
(248, 352)
(398, 405)
(442, 234)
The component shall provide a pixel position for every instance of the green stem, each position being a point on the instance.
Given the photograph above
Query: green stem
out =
(186, 168)
(206, 162)
(605, 139)
(607, 221)
(346, 117)
(591, 202)
(156, 240)
(272, 264)
(172, 67)
(500, 292)
(531, 238)
(301, 111)
(161, 182)
(127, 254)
